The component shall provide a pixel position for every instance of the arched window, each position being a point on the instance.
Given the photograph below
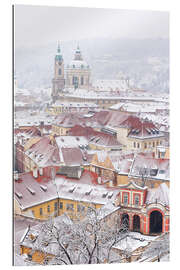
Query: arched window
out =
(82, 80)
(59, 71)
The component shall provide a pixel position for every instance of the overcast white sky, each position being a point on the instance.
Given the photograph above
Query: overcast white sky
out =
(37, 25)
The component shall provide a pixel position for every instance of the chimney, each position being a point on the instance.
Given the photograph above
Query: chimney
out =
(79, 173)
(35, 172)
(41, 171)
(99, 180)
(16, 176)
(111, 183)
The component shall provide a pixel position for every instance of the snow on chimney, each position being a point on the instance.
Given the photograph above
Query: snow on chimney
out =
(35, 172)
(99, 180)
(79, 173)
(16, 176)
(111, 183)
(41, 171)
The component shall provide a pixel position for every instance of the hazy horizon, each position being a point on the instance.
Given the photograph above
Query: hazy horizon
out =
(38, 25)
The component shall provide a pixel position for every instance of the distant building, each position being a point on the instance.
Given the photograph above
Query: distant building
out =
(78, 72)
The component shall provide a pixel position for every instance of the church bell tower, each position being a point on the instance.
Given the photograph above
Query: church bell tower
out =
(58, 82)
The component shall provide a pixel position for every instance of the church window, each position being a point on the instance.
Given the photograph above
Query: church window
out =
(125, 198)
(59, 71)
(82, 80)
(136, 200)
(75, 80)
(61, 205)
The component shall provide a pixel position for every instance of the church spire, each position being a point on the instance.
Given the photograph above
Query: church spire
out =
(58, 56)
(58, 48)
(78, 55)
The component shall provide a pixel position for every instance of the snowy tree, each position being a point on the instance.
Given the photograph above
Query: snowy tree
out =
(86, 241)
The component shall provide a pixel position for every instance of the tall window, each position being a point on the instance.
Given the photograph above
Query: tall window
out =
(153, 144)
(134, 144)
(59, 71)
(61, 205)
(137, 145)
(82, 80)
(125, 198)
(80, 208)
(55, 206)
(136, 200)
(69, 206)
(40, 211)
(145, 145)
(75, 80)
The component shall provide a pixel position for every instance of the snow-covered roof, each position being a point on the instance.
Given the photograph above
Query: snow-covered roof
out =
(75, 104)
(107, 85)
(77, 64)
(28, 191)
(31, 192)
(43, 153)
(76, 191)
(107, 210)
(150, 167)
(133, 241)
(158, 195)
(71, 141)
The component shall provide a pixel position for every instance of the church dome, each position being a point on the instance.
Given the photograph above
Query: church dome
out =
(78, 62)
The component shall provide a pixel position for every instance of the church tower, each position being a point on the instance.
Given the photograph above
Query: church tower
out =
(78, 72)
(58, 81)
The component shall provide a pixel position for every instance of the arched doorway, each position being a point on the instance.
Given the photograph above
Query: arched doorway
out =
(125, 221)
(136, 223)
(155, 222)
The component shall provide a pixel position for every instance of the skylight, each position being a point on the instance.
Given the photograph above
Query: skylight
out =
(44, 188)
(31, 190)
(19, 195)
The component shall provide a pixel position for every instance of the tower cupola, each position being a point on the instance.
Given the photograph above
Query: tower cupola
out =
(78, 55)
